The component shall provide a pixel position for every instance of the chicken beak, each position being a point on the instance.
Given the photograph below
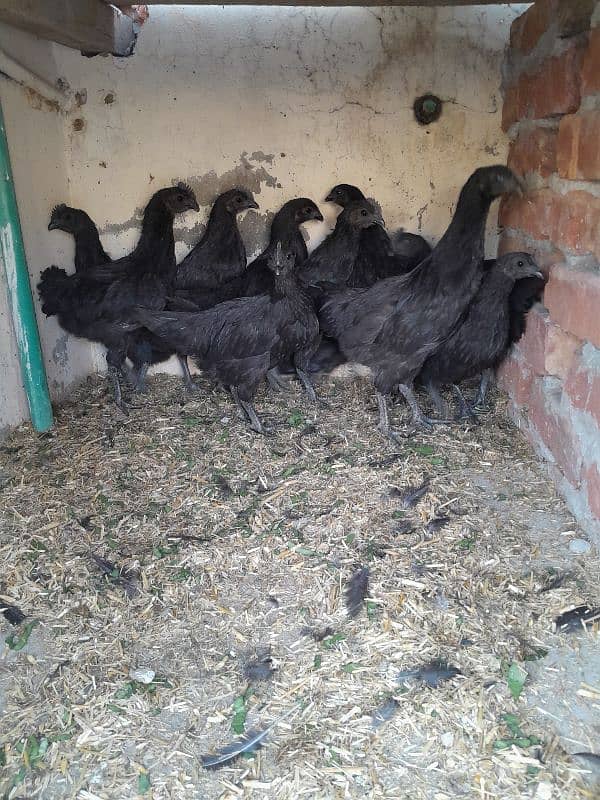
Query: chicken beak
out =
(537, 274)
(330, 198)
(318, 216)
(379, 221)
(253, 204)
(53, 226)
(195, 206)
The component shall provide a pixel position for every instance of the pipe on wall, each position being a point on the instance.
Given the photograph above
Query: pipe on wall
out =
(12, 253)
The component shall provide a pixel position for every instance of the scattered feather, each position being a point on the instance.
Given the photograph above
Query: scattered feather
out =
(125, 578)
(260, 669)
(576, 618)
(318, 635)
(384, 713)
(436, 523)
(356, 591)
(555, 582)
(13, 614)
(248, 743)
(432, 674)
(411, 496)
(404, 527)
(590, 761)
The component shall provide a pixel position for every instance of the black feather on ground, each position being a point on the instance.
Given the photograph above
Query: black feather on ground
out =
(394, 326)
(384, 713)
(410, 497)
(125, 578)
(13, 614)
(260, 669)
(432, 674)
(576, 619)
(251, 741)
(357, 591)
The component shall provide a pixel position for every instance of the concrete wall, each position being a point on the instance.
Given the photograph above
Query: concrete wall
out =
(287, 101)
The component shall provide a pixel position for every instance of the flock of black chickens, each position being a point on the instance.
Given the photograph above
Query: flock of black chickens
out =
(409, 313)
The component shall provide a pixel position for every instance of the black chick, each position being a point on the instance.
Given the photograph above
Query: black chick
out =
(331, 265)
(482, 340)
(258, 278)
(220, 255)
(88, 248)
(239, 341)
(525, 293)
(97, 304)
(379, 256)
(398, 323)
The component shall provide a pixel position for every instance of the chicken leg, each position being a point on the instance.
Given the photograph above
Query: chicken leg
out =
(248, 409)
(187, 377)
(420, 420)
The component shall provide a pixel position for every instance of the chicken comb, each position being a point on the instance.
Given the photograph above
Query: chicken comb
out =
(60, 207)
(185, 187)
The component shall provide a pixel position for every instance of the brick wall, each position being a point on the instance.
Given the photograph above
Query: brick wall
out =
(552, 114)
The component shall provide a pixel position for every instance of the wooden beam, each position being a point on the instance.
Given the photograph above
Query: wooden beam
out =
(124, 3)
(88, 25)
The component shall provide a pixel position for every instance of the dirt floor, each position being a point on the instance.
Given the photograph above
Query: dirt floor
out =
(177, 547)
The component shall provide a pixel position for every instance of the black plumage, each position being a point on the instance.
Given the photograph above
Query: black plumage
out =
(394, 326)
(142, 349)
(97, 304)
(356, 591)
(258, 278)
(239, 341)
(483, 339)
(220, 255)
(88, 247)
(331, 265)
(379, 255)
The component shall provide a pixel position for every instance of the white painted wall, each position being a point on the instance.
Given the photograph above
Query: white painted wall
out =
(288, 101)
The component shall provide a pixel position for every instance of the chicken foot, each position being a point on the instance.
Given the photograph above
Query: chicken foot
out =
(420, 419)
(307, 383)
(276, 382)
(186, 374)
(248, 409)
(487, 376)
(465, 411)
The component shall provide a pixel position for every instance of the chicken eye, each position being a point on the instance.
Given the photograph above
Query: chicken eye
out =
(180, 198)
(363, 213)
(239, 200)
(520, 263)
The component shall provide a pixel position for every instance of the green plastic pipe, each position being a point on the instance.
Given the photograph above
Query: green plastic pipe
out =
(20, 300)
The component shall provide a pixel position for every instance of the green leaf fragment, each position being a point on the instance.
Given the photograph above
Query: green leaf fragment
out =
(516, 678)
(317, 662)
(18, 641)
(330, 642)
(350, 667)
(143, 783)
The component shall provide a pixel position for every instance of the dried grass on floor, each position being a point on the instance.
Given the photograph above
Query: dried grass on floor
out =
(231, 544)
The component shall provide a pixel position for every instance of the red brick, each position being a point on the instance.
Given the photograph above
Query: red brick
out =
(561, 349)
(527, 29)
(590, 71)
(571, 221)
(553, 89)
(533, 343)
(578, 150)
(516, 378)
(534, 151)
(555, 432)
(573, 299)
(591, 480)
(583, 387)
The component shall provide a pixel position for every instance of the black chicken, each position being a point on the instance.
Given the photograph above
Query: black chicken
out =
(239, 341)
(379, 256)
(88, 248)
(97, 304)
(258, 278)
(220, 255)
(398, 323)
(483, 339)
(331, 265)
(142, 349)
